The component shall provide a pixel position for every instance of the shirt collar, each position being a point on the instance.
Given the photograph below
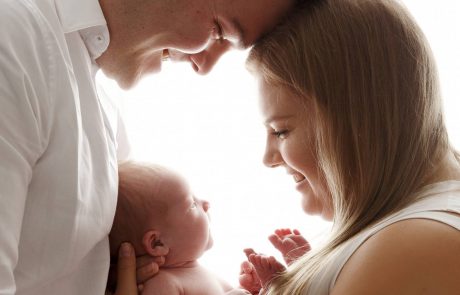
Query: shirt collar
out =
(85, 17)
(76, 15)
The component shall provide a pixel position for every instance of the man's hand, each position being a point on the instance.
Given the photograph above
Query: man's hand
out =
(148, 266)
(145, 267)
(126, 271)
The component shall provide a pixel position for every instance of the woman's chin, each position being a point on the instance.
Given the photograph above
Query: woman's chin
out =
(311, 205)
(318, 210)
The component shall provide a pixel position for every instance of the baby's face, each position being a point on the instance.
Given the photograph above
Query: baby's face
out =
(187, 223)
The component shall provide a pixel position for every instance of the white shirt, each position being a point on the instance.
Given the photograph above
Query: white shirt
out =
(58, 166)
(436, 202)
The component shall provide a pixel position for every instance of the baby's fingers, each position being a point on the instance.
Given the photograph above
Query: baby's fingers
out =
(300, 241)
(282, 232)
(248, 278)
(246, 267)
(282, 245)
(248, 252)
(276, 241)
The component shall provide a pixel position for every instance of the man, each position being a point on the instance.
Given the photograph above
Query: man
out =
(58, 150)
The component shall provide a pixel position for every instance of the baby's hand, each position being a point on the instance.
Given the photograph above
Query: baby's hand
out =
(291, 244)
(266, 267)
(248, 276)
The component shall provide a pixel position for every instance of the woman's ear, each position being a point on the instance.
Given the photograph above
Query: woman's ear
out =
(151, 242)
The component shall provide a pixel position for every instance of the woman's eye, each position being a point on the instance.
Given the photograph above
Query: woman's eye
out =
(194, 205)
(282, 134)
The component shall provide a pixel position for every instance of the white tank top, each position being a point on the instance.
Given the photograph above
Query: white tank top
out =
(437, 201)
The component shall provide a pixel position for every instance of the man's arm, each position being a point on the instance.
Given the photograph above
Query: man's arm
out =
(22, 120)
(23, 117)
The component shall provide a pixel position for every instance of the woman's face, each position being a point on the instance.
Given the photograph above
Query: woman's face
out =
(290, 124)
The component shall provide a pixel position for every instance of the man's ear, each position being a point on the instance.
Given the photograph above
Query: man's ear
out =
(151, 242)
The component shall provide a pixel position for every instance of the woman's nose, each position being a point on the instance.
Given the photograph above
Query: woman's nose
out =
(272, 157)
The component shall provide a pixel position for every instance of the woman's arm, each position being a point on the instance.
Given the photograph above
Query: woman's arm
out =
(415, 256)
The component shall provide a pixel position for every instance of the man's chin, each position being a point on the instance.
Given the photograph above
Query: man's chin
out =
(124, 82)
(126, 85)
(129, 82)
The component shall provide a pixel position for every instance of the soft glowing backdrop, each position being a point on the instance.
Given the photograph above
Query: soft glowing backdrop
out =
(208, 128)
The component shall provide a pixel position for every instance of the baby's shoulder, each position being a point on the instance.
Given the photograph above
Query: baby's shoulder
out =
(163, 283)
(188, 280)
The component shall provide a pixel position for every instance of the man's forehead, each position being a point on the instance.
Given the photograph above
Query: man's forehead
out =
(252, 19)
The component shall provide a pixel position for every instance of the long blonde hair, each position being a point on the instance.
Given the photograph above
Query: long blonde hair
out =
(368, 71)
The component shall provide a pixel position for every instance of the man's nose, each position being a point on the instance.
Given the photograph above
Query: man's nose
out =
(204, 61)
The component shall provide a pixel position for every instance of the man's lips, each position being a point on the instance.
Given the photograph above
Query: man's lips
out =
(165, 54)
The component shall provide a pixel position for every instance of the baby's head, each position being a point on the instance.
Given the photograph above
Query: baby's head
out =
(156, 208)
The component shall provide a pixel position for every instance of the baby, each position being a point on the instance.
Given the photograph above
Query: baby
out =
(156, 208)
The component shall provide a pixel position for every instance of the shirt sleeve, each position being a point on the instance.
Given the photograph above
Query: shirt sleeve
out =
(22, 140)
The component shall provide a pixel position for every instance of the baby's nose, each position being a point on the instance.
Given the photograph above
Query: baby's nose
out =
(205, 205)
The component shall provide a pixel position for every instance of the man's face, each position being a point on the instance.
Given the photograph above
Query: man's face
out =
(197, 31)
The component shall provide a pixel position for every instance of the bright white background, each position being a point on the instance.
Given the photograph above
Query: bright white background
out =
(208, 128)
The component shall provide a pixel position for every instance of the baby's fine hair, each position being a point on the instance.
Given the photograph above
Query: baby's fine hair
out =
(139, 204)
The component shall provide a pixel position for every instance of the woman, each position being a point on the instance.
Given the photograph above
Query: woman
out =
(351, 102)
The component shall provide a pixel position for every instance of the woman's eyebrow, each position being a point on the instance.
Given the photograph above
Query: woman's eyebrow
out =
(275, 118)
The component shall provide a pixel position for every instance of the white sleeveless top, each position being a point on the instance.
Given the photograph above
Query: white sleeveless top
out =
(437, 201)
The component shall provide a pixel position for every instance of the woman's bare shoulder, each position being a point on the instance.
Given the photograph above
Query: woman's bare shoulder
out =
(414, 256)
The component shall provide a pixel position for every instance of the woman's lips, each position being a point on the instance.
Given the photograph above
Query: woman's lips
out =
(300, 185)
(298, 177)
(300, 181)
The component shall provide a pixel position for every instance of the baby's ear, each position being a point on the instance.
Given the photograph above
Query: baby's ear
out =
(152, 243)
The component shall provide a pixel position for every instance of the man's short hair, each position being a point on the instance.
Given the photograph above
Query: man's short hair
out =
(300, 2)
